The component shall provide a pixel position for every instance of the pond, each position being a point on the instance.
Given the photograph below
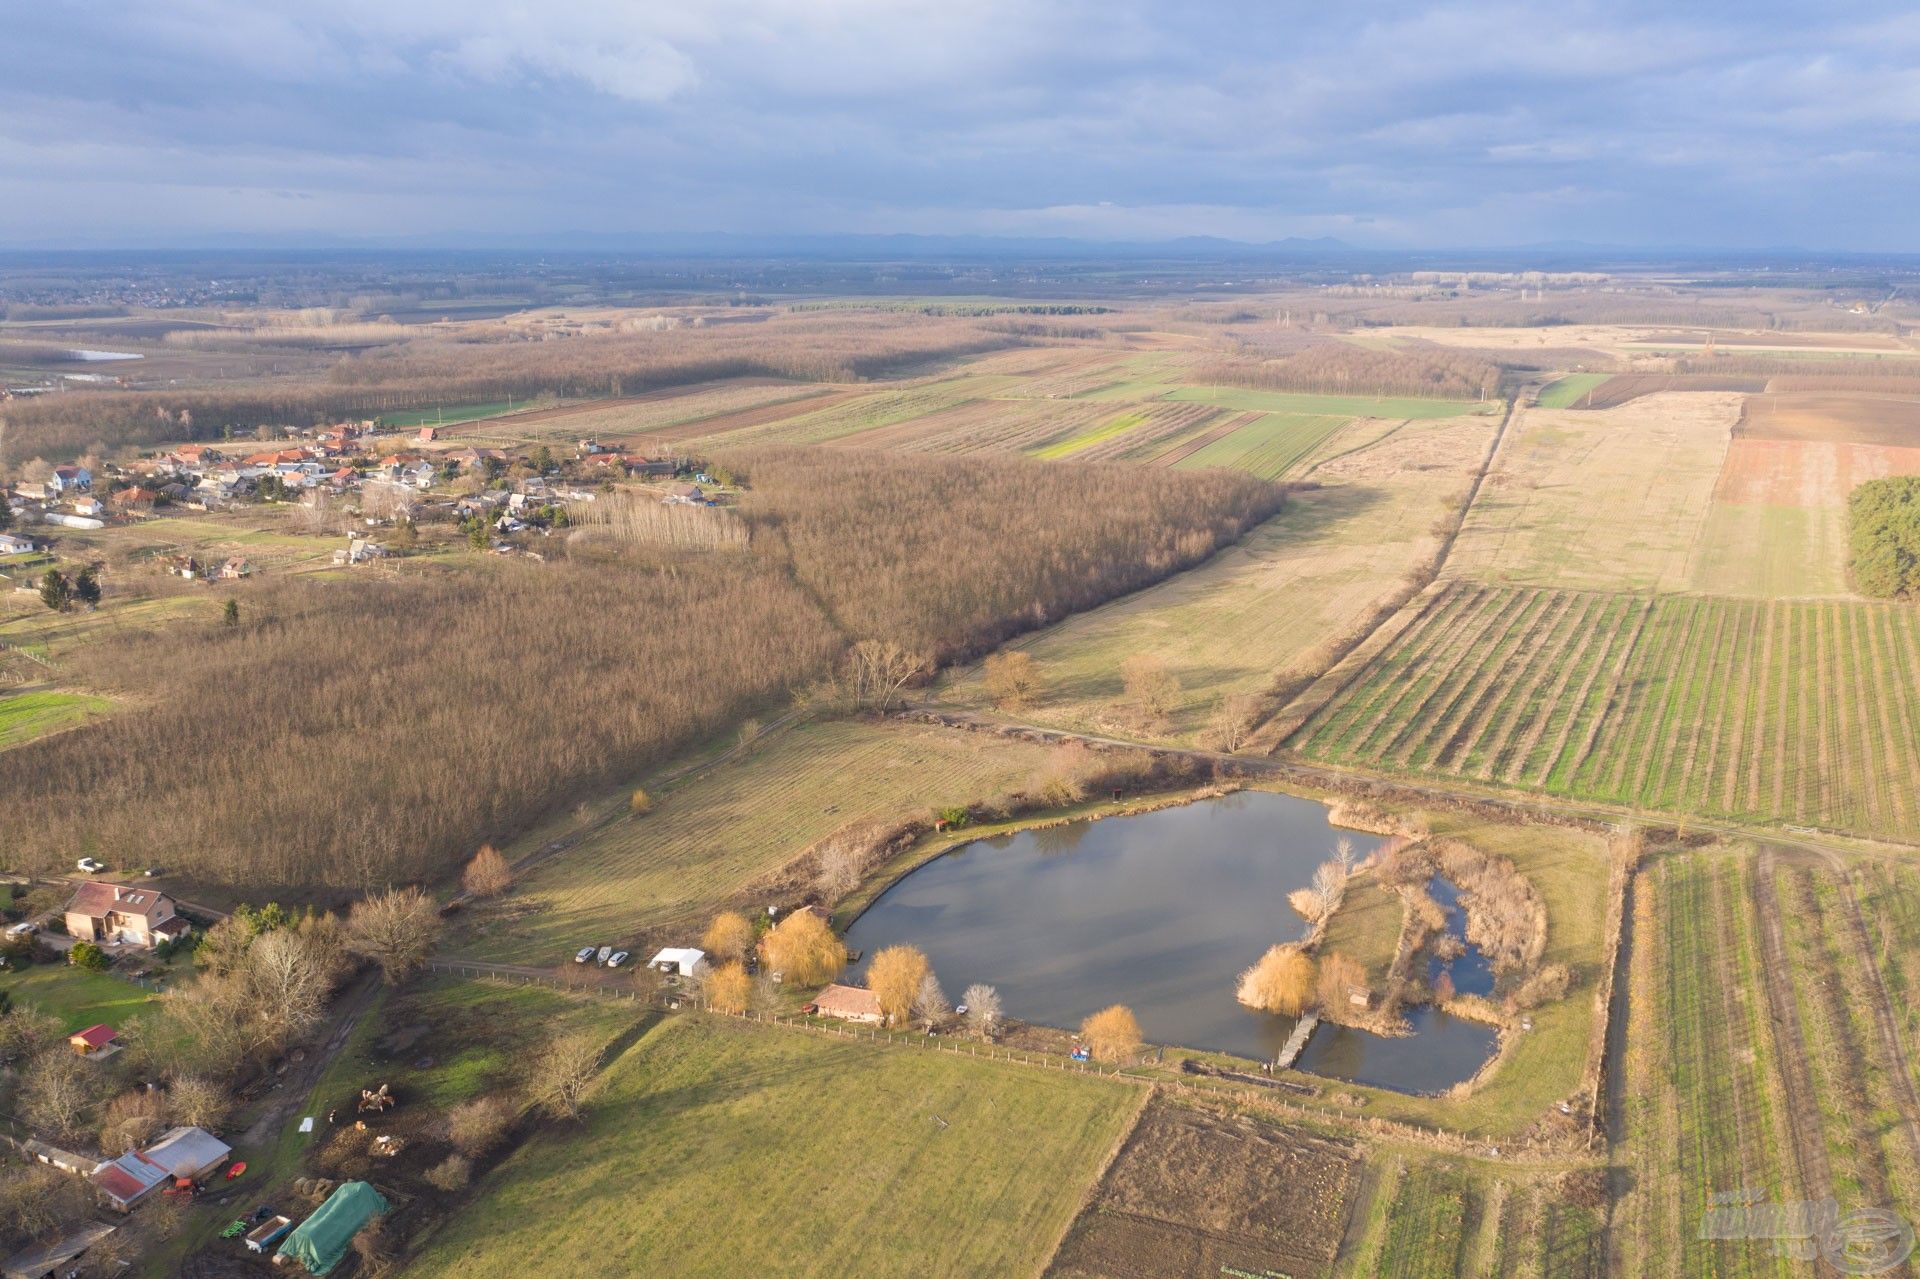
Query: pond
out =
(1160, 911)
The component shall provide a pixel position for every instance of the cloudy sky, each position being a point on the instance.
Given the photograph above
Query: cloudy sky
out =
(1384, 124)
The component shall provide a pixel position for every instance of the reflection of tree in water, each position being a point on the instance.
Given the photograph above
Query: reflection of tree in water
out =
(1335, 1051)
(1053, 841)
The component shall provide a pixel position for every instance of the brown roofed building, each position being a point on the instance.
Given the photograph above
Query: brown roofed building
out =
(114, 913)
(848, 1003)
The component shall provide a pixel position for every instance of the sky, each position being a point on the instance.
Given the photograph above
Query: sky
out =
(143, 123)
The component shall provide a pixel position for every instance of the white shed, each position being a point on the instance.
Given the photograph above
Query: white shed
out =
(682, 961)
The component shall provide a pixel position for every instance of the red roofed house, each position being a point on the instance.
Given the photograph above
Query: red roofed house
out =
(132, 916)
(95, 1041)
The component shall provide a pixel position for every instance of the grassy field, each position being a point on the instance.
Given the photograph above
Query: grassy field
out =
(1703, 1108)
(712, 1148)
(713, 834)
(1432, 1219)
(443, 414)
(1342, 406)
(1270, 446)
(25, 716)
(1744, 709)
(1565, 393)
(1366, 927)
(76, 997)
(1233, 624)
(1610, 500)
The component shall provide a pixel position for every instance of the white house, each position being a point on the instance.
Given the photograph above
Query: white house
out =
(14, 544)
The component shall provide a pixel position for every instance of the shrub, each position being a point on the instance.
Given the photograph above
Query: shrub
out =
(895, 976)
(488, 874)
(639, 803)
(1112, 1034)
(727, 988)
(1281, 981)
(476, 1127)
(451, 1174)
(88, 956)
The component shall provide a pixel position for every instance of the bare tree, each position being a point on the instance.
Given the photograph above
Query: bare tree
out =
(1151, 687)
(477, 1126)
(1232, 722)
(197, 1102)
(129, 1121)
(396, 930)
(983, 1009)
(562, 1074)
(58, 1091)
(930, 1002)
(880, 669)
(841, 860)
(386, 500)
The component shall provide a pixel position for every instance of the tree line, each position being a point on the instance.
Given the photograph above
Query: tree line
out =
(1342, 368)
(1884, 533)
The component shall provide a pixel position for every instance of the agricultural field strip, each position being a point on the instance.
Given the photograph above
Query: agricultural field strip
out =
(1270, 446)
(1743, 709)
(1866, 1142)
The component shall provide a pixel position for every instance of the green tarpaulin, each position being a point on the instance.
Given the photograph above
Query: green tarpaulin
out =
(321, 1240)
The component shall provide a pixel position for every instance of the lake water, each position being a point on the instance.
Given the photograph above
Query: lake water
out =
(1160, 911)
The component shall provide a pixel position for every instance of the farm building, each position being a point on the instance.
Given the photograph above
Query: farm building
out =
(55, 1157)
(679, 961)
(56, 1258)
(125, 1181)
(14, 544)
(189, 1152)
(322, 1239)
(94, 1041)
(235, 568)
(128, 916)
(848, 1003)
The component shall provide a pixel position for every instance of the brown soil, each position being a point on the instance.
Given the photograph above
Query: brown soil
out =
(1857, 417)
(1625, 387)
(1194, 1193)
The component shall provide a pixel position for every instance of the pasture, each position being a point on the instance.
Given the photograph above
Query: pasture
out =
(1389, 406)
(1759, 711)
(1435, 1219)
(712, 1148)
(1567, 392)
(1232, 625)
(1609, 499)
(717, 831)
(25, 716)
(1270, 446)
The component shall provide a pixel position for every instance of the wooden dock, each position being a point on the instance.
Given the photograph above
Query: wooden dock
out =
(1296, 1042)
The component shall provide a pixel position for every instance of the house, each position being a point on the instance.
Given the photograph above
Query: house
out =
(689, 494)
(89, 506)
(94, 1041)
(125, 1181)
(679, 961)
(1359, 997)
(188, 1152)
(321, 1240)
(428, 434)
(14, 544)
(197, 455)
(235, 569)
(358, 551)
(130, 916)
(41, 1261)
(848, 1003)
(70, 479)
(638, 464)
(137, 498)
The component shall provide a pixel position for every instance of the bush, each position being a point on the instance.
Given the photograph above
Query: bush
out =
(451, 1174)
(88, 956)
(488, 874)
(476, 1127)
(639, 803)
(1112, 1034)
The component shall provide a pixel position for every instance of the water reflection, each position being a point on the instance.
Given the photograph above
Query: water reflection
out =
(1160, 911)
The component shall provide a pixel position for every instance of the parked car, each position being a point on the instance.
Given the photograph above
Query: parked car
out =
(606, 953)
(619, 958)
(586, 953)
(90, 866)
(25, 928)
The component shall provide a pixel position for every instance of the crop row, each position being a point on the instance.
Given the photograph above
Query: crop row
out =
(1804, 713)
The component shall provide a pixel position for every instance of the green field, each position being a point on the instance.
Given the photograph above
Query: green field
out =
(75, 996)
(447, 414)
(712, 1148)
(1342, 406)
(1442, 1220)
(1762, 711)
(1565, 393)
(1087, 439)
(25, 716)
(745, 818)
(1702, 1098)
(1270, 446)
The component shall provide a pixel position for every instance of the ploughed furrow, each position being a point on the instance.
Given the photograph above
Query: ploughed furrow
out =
(1494, 736)
(1403, 684)
(1450, 730)
(1333, 726)
(1599, 716)
(1434, 692)
(1678, 736)
(1599, 629)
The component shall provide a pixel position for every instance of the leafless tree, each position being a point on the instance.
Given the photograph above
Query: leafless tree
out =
(930, 1002)
(58, 1092)
(983, 1009)
(841, 862)
(881, 669)
(197, 1102)
(396, 930)
(488, 874)
(476, 1127)
(1152, 688)
(563, 1073)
